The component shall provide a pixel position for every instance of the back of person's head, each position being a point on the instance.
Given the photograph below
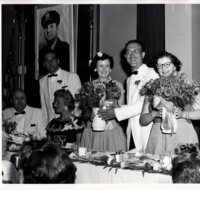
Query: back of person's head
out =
(49, 164)
(28, 147)
(67, 97)
(186, 170)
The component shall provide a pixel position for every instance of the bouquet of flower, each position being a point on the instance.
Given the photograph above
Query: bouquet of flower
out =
(14, 138)
(9, 127)
(94, 93)
(175, 89)
(112, 91)
(167, 93)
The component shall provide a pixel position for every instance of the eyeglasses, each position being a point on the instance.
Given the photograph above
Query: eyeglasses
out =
(135, 52)
(165, 65)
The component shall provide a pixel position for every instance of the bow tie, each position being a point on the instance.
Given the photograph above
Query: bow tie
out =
(51, 75)
(20, 113)
(135, 72)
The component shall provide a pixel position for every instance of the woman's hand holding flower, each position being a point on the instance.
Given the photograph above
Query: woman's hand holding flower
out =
(107, 114)
(178, 113)
(155, 114)
(157, 102)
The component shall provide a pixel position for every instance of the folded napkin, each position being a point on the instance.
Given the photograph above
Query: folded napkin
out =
(169, 122)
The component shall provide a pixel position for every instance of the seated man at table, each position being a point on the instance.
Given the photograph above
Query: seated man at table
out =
(29, 121)
(48, 164)
(186, 170)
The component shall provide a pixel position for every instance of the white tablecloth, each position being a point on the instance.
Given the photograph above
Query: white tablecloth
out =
(9, 172)
(88, 173)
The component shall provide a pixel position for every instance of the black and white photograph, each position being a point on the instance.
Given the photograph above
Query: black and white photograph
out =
(54, 30)
(100, 94)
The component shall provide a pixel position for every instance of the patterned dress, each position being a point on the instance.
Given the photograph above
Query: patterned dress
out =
(62, 132)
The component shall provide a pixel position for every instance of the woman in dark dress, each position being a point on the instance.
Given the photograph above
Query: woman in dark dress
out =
(65, 128)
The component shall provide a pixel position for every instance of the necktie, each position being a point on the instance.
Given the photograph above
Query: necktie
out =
(51, 75)
(20, 113)
(135, 72)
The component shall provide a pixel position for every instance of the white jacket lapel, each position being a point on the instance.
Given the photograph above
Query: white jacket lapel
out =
(136, 87)
(131, 89)
(64, 79)
(48, 88)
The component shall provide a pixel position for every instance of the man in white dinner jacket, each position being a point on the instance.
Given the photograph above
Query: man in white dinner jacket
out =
(57, 78)
(30, 121)
(134, 54)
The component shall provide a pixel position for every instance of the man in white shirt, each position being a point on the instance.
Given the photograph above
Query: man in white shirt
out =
(134, 54)
(30, 121)
(57, 78)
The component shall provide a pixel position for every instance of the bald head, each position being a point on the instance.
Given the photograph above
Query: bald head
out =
(19, 100)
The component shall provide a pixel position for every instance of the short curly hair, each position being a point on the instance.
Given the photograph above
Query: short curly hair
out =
(67, 97)
(177, 63)
(102, 56)
(49, 164)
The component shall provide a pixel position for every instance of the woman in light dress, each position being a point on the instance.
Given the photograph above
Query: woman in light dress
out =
(160, 143)
(112, 139)
(193, 115)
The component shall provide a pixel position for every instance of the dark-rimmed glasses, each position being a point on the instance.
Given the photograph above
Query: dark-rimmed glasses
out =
(165, 65)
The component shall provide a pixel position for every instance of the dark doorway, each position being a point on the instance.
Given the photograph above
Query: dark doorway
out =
(151, 29)
(83, 46)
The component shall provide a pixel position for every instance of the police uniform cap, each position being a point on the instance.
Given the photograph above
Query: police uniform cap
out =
(50, 17)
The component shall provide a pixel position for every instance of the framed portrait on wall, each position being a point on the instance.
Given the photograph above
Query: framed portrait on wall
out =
(55, 28)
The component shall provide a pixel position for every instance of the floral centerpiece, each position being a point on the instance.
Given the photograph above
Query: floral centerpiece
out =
(13, 137)
(94, 94)
(125, 160)
(9, 127)
(169, 93)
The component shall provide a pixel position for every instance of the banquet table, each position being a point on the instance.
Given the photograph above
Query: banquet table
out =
(91, 174)
(88, 173)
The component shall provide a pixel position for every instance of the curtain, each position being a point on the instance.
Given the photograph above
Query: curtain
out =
(151, 29)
